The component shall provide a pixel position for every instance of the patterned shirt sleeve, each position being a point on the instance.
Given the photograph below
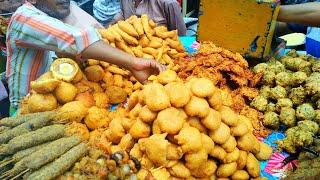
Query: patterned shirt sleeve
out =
(40, 31)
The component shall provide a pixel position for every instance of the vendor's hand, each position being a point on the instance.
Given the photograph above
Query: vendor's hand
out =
(143, 68)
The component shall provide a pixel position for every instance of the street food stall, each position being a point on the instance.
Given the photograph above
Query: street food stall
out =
(210, 115)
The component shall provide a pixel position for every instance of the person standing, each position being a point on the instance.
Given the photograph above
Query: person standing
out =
(105, 10)
(163, 12)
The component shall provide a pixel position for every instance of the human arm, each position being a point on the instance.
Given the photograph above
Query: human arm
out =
(140, 68)
(307, 14)
(174, 16)
(41, 32)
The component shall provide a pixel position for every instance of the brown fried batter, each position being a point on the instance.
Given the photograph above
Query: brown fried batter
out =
(218, 64)
(256, 117)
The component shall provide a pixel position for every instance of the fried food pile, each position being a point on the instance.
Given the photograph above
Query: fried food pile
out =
(299, 136)
(220, 65)
(35, 147)
(289, 95)
(230, 72)
(142, 38)
(179, 129)
(80, 96)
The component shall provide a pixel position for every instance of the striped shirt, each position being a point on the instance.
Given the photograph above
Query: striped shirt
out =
(105, 10)
(32, 37)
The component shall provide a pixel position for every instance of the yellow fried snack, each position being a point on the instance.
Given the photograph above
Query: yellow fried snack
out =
(133, 99)
(73, 111)
(137, 51)
(144, 41)
(175, 45)
(115, 33)
(253, 166)
(45, 83)
(152, 23)
(247, 121)
(78, 129)
(218, 152)
(156, 149)
(213, 120)
(215, 100)
(140, 130)
(118, 80)
(265, 152)
(240, 129)
(65, 92)
(117, 70)
(190, 139)
(125, 36)
(135, 111)
(171, 120)
(116, 95)
(126, 143)
(160, 174)
(96, 118)
(106, 34)
(195, 122)
(151, 51)
(41, 102)
(178, 93)
(155, 44)
(162, 32)
(131, 19)
(232, 156)
(207, 143)
(179, 171)
(146, 25)
(101, 100)
(92, 62)
(202, 87)
(242, 160)
(115, 131)
(167, 76)
(205, 170)
(137, 24)
(79, 76)
(128, 28)
(108, 79)
(174, 152)
(94, 73)
(195, 159)
(136, 152)
(226, 170)
(248, 142)
(240, 175)
(156, 127)
(220, 135)
(146, 115)
(230, 145)
(197, 107)
(122, 45)
(156, 97)
(147, 56)
(228, 116)
(127, 123)
(104, 64)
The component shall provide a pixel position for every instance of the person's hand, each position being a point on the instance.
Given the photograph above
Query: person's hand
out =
(143, 68)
